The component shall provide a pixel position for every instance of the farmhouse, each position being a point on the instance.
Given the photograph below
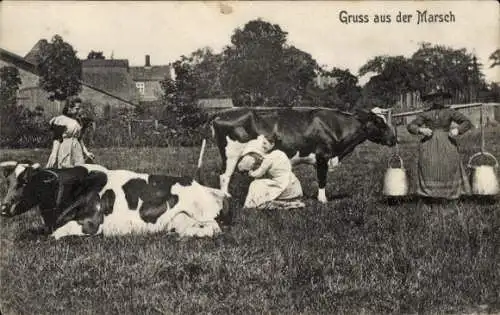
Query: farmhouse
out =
(105, 90)
(148, 79)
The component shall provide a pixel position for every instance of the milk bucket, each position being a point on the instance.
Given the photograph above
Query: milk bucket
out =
(395, 181)
(484, 177)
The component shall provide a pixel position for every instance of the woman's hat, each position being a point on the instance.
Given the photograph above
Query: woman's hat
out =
(436, 93)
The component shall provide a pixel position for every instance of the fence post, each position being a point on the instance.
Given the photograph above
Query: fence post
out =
(481, 122)
(156, 124)
(129, 127)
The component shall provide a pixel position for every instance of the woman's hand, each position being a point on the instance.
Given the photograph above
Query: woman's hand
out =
(453, 132)
(425, 131)
(252, 173)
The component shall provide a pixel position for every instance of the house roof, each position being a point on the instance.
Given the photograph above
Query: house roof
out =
(104, 63)
(33, 54)
(18, 61)
(215, 103)
(23, 64)
(153, 73)
(115, 79)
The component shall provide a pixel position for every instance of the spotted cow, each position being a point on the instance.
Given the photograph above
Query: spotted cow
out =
(90, 199)
(316, 136)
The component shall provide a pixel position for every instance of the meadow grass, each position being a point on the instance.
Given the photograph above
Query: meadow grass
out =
(358, 254)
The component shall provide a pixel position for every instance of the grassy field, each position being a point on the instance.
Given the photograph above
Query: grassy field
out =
(355, 255)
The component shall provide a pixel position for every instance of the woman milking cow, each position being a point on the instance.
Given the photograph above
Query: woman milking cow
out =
(275, 186)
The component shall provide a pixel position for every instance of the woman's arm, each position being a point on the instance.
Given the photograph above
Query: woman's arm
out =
(263, 168)
(464, 123)
(85, 150)
(414, 126)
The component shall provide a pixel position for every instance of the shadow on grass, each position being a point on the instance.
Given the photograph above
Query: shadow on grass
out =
(33, 234)
(414, 199)
(331, 197)
(481, 200)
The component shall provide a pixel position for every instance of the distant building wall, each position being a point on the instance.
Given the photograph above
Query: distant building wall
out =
(30, 95)
(102, 102)
(28, 79)
(152, 91)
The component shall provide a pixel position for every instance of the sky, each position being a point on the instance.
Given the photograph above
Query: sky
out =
(168, 29)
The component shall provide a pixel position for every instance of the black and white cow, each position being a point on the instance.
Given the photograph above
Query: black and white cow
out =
(316, 136)
(90, 199)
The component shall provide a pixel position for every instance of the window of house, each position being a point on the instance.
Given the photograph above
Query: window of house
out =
(140, 87)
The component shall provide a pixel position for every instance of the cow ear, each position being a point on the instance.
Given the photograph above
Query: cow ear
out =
(27, 174)
(8, 167)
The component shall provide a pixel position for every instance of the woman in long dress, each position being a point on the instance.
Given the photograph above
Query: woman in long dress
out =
(275, 185)
(68, 148)
(440, 171)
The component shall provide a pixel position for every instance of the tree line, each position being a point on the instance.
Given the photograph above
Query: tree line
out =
(261, 68)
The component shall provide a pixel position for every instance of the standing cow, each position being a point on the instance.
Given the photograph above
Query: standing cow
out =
(90, 199)
(307, 135)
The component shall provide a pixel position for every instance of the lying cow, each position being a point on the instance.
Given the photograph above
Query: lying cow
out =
(90, 199)
(307, 135)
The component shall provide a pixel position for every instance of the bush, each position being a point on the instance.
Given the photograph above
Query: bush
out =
(177, 127)
(22, 128)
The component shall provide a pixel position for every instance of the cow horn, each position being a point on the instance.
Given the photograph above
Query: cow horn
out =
(8, 163)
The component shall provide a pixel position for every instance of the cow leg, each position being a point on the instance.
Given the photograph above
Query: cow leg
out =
(233, 153)
(321, 173)
(333, 163)
(87, 206)
(70, 228)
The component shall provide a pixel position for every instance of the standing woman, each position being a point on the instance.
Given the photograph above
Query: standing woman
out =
(68, 149)
(440, 171)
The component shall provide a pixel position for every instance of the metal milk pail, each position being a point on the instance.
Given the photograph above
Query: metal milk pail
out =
(395, 180)
(484, 179)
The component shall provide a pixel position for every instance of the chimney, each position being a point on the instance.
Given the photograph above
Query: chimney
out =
(148, 62)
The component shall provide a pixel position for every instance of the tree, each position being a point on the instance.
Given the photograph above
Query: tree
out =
(95, 55)
(9, 85)
(393, 75)
(443, 66)
(260, 69)
(196, 76)
(454, 70)
(60, 70)
(298, 71)
(346, 88)
(495, 58)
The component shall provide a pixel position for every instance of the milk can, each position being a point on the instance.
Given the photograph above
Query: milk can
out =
(395, 180)
(484, 179)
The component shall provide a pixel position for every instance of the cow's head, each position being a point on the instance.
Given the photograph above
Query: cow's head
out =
(376, 127)
(20, 195)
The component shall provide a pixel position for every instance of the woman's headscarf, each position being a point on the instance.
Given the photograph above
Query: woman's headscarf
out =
(250, 161)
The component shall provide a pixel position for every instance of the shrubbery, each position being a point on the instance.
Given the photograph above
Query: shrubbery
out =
(22, 128)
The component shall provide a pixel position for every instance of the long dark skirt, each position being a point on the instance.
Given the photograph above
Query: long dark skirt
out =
(440, 171)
